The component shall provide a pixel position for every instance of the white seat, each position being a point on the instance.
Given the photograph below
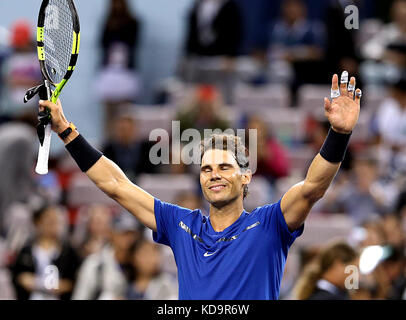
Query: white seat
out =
(285, 123)
(152, 117)
(167, 186)
(257, 98)
(323, 228)
(311, 98)
(259, 193)
(82, 191)
(373, 97)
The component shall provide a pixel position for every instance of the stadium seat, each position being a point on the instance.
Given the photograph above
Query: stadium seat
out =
(373, 97)
(258, 98)
(285, 123)
(323, 228)
(152, 117)
(311, 98)
(82, 191)
(167, 186)
(300, 158)
(260, 193)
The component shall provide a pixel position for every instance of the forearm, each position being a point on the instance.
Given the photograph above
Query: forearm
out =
(325, 165)
(318, 178)
(107, 176)
(298, 201)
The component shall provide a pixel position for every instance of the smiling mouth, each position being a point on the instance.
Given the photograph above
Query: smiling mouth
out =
(217, 187)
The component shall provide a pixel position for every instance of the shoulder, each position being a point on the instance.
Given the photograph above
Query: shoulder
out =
(174, 214)
(267, 209)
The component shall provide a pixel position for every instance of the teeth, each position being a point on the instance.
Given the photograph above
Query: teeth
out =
(217, 188)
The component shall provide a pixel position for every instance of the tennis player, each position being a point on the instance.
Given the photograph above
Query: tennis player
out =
(232, 254)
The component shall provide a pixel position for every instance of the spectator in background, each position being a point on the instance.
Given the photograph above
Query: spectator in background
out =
(126, 149)
(341, 50)
(296, 45)
(7, 291)
(390, 121)
(214, 31)
(390, 274)
(392, 224)
(272, 158)
(374, 234)
(121, 27)
(118, 82)
(362, 195)
(400, 208)
(104, 275)
(324, 278)
(391, 33)
(31, 270)
(385, 52)
(20, 71)
(18, 149)
(92, 229)
(150, 283)
(203, 111)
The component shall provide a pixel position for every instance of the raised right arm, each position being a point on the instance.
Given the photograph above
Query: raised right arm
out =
(107, 176)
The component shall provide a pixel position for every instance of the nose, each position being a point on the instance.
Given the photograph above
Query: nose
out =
(215, 175)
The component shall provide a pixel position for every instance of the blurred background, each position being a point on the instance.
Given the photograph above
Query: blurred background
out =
(242, 64)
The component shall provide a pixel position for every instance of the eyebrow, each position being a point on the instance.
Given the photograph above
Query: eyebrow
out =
(223, 164)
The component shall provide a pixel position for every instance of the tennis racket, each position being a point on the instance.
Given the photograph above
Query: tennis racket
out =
(58, 41)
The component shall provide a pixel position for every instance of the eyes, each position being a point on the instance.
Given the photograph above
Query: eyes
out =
(222, 167)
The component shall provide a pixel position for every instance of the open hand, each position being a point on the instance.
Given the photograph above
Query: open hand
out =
(342, 111)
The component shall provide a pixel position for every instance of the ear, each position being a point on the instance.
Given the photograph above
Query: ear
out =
(246, 176)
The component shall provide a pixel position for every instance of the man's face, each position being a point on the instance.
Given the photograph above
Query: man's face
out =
(221, 178)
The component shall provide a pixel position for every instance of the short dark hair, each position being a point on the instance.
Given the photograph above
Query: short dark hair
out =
(231, 143)
(37, 214)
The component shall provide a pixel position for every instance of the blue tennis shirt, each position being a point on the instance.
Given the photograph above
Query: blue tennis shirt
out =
(243, 262)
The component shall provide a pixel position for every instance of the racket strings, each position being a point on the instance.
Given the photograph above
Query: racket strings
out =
(58, 39)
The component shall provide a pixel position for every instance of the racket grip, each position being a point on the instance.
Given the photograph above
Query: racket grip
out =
(43, 153)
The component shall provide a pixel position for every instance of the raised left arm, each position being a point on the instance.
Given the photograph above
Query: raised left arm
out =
(342, 113)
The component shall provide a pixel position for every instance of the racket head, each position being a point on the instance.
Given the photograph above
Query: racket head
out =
(58, 42)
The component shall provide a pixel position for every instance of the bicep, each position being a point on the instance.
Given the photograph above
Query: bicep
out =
(295, 206)
(139, 202)
(298, 201)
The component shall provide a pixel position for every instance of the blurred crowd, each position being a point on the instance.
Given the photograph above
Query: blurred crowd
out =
(98, 251)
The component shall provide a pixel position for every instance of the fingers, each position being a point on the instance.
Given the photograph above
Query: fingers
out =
(358, 96)
(351, 88)
(342, 89)
(335, 91)
(344, 83)
(47, 104)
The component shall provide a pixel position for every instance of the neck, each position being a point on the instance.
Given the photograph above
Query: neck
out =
(223, 217)
(47, 242)
(121, 256)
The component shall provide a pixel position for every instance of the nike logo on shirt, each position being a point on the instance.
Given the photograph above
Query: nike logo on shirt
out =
(207, 254)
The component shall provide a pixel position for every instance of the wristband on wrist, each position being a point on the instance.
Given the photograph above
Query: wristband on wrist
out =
(83, 153)
(335, 146)
(64, 134)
